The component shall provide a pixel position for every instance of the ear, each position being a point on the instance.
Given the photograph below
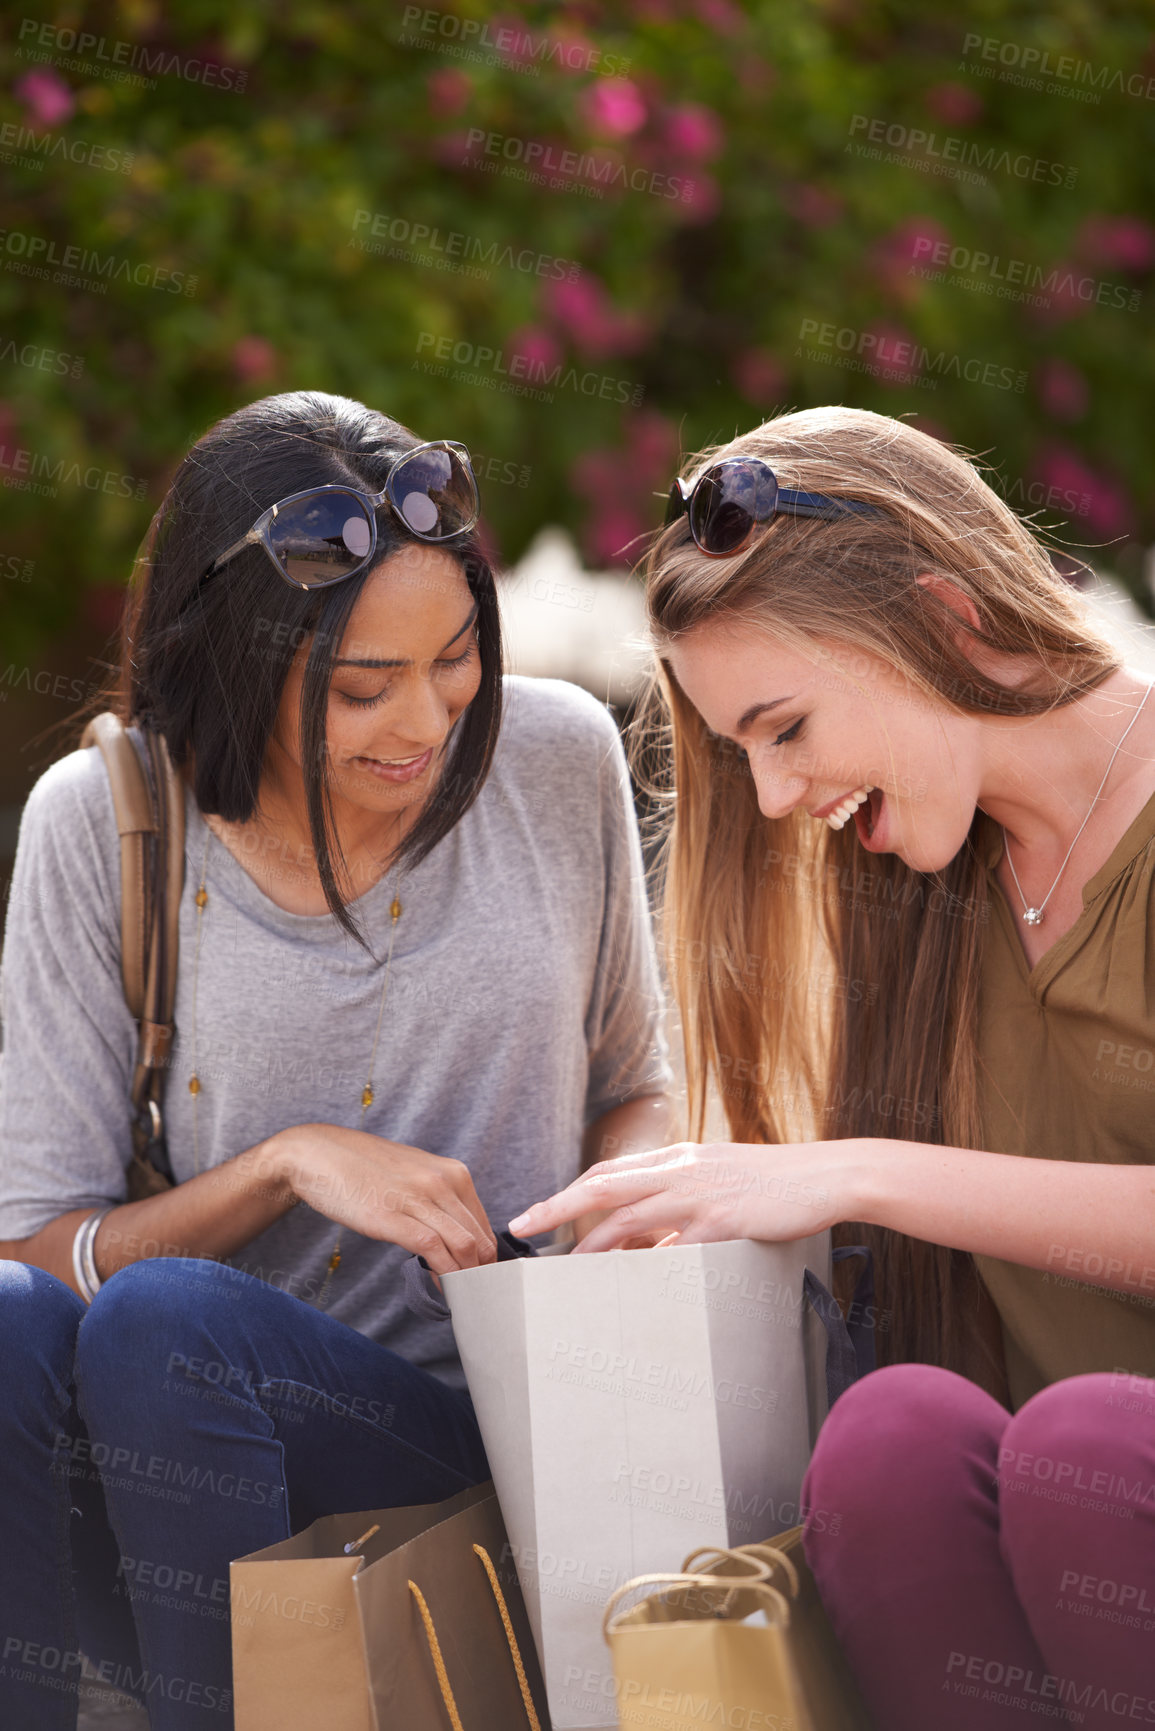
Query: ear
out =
(951, 596)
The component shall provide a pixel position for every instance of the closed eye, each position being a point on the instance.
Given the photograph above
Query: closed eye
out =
(791, 733)
(460, 660)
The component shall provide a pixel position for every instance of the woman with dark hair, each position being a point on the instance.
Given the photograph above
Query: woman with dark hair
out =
(909, 900)
(416, 989)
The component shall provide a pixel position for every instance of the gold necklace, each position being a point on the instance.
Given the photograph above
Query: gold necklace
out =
(195, 1085)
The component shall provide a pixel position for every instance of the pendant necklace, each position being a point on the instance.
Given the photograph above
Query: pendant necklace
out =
(1033, 916)
(195, 1085)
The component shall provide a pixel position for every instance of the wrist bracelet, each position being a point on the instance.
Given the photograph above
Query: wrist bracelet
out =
(88, 1281)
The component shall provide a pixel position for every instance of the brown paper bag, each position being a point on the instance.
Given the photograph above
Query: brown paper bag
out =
(739, 1637)
(423, 1628)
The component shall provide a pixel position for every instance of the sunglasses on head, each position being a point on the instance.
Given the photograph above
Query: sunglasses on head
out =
(328, 533)
(730, 499)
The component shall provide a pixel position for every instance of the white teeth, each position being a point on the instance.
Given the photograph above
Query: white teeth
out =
(845, 810)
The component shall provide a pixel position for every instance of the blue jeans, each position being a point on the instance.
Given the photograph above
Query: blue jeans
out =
(200, 1414)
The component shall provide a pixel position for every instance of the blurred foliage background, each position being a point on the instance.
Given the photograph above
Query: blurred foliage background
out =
(720, 182)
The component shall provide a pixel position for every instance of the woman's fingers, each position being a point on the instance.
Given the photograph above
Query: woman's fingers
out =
(430, 1232)
(664, 1213)
(586, 1195)
(460, 1181)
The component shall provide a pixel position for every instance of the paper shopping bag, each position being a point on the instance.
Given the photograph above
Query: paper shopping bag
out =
(635, 1405)
(738, 1637)
(424, 1622)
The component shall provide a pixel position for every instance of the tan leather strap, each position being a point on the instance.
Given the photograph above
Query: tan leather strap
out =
(136, 825)
(151, 829)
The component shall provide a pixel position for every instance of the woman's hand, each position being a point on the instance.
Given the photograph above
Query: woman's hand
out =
(705, 1193)
(386, 1190)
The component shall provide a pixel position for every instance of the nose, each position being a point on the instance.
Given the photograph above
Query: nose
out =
(422, 719)
(778, 794)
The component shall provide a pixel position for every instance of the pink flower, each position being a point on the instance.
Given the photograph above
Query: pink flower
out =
(614, 535)
(538, 346)
(1081, 491)
(47, 98)
(1063, 390)
(1117, 242)
(620, 485)
(954, 104)
(614, 106)
(902, 252)
(759, 376)
(700, 199)
(585, 311)
(449, 91)
(513, 39)
(456, 150)
(654, 443)
(694, 131)
(893, 352)
(720, 15)
(253, 359)
(812, 205)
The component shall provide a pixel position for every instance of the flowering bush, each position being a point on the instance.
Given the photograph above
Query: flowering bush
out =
(577, 238)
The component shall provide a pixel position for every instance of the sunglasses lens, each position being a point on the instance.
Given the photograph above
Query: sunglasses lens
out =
(320, 538)
(728, 501)
(675, 504)
(435, 494)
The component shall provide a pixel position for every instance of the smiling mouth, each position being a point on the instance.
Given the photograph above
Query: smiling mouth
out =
(841, 813)
(397, 768)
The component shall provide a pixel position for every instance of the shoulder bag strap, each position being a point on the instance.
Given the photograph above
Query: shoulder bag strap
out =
(151, 830)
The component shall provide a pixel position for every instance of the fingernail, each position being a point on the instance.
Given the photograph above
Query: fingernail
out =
(516, 1225)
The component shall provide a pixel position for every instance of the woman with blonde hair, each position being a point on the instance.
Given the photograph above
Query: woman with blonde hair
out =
(907, 903)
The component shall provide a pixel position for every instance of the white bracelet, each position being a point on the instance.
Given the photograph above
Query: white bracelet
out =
(84, 1273)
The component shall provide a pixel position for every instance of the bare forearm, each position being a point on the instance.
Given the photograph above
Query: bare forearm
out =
(1094, 1223)
(632, 1128)
(211, 1215)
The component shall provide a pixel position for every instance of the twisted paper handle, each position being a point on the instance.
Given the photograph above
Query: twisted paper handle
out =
(514, 1651)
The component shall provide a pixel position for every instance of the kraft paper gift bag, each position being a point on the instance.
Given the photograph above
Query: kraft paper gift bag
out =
(737, 1638)
(424, 1622)
(635, 1405)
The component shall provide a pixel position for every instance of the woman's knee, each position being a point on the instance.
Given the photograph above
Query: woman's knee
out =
(899, 1427)
(143, 1316)
(39, 1317)
(1079, 1443)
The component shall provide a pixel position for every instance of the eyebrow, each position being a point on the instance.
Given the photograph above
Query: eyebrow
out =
(457, 634)
(756, 709)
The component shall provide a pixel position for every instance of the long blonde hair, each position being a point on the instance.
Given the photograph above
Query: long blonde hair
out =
(824, 1000)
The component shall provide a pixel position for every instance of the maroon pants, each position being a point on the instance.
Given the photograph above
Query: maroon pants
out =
(989, 1570)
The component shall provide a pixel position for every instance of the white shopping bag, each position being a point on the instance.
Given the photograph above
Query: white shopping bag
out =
(636, 1405)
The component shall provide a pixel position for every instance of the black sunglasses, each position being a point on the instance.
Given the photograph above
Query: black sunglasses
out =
(328, 533)
(731, 498)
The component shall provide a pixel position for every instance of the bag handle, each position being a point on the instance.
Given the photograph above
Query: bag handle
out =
(774, 1600)
(848, 1356)
(151, 829)
(764, 1558)
(514, 1650)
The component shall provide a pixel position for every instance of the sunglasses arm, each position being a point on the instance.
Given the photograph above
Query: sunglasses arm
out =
(797, 504)
(247, 540)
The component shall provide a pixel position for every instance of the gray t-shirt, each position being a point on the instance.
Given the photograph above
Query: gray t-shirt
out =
(523, 1002)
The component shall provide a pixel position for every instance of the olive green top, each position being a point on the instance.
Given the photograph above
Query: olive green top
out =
(1067, 1072)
